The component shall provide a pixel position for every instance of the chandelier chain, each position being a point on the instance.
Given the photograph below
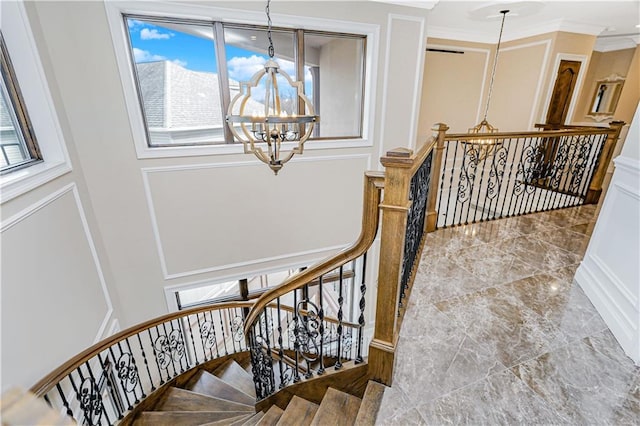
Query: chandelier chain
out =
(267, 10)
(495, 63)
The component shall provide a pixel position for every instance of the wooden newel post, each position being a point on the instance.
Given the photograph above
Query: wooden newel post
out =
(395, 207)
(434, 184)
(595, 186)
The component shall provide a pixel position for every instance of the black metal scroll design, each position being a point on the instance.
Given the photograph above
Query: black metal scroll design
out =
(525, 170)
(90, 401)
(418, 194)
(127, 372)
(237, 329)
(261, 366)
(467, 178)
(208, 334)
(169, 348)
(306, 331)
(582, 147)
(496, 172)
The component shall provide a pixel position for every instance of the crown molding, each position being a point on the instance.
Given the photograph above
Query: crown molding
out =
(421, 4)
(609, 44)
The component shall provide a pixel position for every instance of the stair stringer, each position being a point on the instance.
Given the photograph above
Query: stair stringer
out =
(351, 378)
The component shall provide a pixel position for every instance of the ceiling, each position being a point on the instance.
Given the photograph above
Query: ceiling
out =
(614, 22)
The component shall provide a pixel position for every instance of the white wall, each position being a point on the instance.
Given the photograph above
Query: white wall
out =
(56, 283)
(103, 241)
(610, 273)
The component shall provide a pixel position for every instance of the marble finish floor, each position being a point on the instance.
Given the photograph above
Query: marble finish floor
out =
(496, 332)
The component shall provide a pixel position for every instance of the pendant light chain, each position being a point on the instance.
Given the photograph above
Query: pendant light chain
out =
(271, 50)
(495, 63)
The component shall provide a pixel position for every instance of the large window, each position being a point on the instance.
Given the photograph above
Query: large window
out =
(187, 72)
(17, 141)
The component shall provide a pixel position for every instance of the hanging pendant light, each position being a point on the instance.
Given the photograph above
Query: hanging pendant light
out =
(264, 131)
(484, 147)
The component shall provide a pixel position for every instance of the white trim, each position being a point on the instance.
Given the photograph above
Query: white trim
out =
(170, 290)
(114, 10)
(38, 102)
(610, 44)
(385, 84)
(543, 67)
(44, 202)
(628, 164)
(553, 72)
(156, 229)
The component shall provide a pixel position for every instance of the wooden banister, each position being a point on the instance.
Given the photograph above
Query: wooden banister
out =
(49, 381)
(595, 186)
(373, 184)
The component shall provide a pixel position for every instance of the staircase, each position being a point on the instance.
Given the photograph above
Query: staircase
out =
(226, 396)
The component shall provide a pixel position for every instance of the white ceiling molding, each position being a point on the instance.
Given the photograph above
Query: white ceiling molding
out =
(609, 44)
(422, 4)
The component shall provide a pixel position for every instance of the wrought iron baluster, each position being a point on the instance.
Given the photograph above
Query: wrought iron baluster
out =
(146, 363)
(296, 343)
(363, 291)
(338, 364)
(65, 403)
(155, 355)
(511, 178)
(112, 388)
(193, 341)
(180, 348)
(116, 359)
(439, 203)
(47, 400)
(480, 186)
(599, 140)
(280, 350)
(137, 372)
(455, 144)
(224, 337)
(166, 349)
(94, 383)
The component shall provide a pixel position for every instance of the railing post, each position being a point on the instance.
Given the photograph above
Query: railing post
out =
(595, 186)
(432, 213)
(394, 206)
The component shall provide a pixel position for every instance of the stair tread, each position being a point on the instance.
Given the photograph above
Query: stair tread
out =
(299, 412)
(370, 404)
(233, 374)
(253, 420)
(271, 417)
(176, 399)
(206, 383)
(337, 408)
(228, 422)
(242, 420)
(183, 418)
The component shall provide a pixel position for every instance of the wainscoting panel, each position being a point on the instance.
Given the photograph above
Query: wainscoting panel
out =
(54, 298)
(213, 216)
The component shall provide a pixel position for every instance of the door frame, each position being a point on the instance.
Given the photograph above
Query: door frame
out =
(577, 91)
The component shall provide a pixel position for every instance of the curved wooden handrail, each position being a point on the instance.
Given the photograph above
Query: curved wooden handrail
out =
(50, 380)
(374, 182)
(532, 134)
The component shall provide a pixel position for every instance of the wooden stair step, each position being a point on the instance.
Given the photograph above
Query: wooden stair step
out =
(370, 404)
(233, 374)
(183, 418)
(229, 422)
(206, 383)
(176, 399)
(253, 420)
(337, 408)
(271, 417)
(299, 412)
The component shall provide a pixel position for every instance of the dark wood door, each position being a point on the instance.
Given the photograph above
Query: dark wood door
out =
(562, 92)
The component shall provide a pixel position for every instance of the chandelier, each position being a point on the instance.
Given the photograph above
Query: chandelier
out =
(265, 128)
(484, 147)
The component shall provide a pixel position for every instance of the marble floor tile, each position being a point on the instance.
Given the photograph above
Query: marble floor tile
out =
(566, 273)
(503, 324)
(565, 217)
(585, 384)
(560, 302)
(567, 240)
(491, 264)
(501, 399)
(394, 405)
(443, 279)
(409, 417)
(435, 348)
(540, 254)
(529, 224)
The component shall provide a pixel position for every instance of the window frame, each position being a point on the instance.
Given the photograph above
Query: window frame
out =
(196, 13)
(29, 75)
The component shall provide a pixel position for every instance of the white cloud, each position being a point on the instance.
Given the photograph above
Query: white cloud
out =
(146, 56)
(180, 62)
(242, 68)
(153, 34)
(133, 23)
